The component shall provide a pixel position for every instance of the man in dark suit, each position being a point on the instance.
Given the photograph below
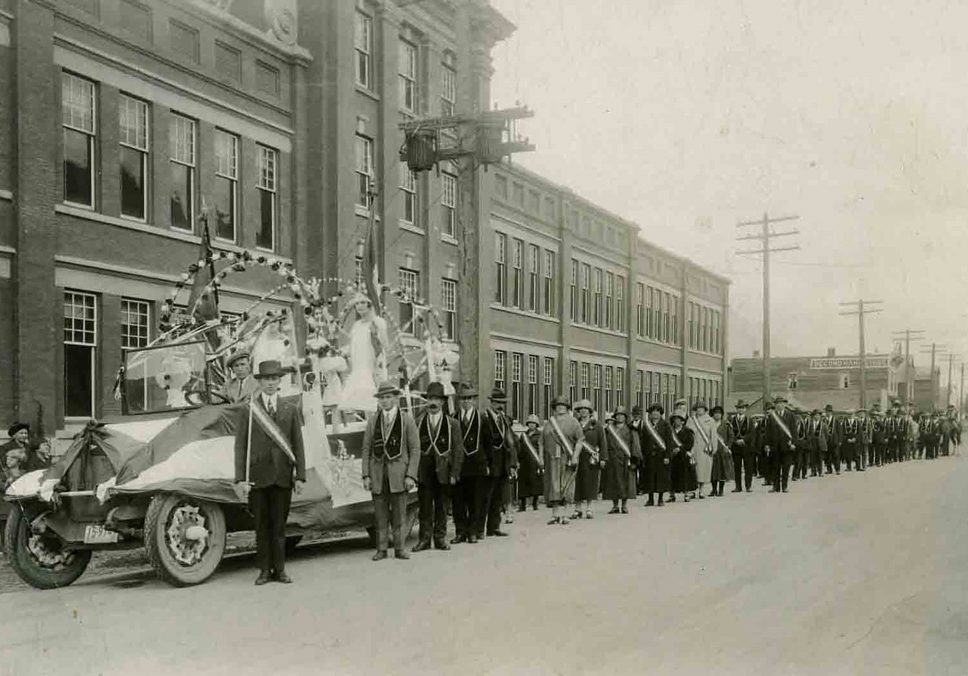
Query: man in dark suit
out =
(781, 425)
(269, 465)
(441, 458)
(502, 458)
(818, 442)
(743, 447)
(470, 493)
(391, 458)
(832, 429)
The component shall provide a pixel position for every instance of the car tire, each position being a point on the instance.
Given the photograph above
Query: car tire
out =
(176, 558)
(40, 561)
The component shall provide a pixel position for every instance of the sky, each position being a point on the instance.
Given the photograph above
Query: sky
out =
(690, 116)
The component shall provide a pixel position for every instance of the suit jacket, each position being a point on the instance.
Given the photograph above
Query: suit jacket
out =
(743, 430)
(475, 449)
(441, 454)
(833, 430)
(651, 448)
(269, 465)
(776, 438)
(406, 464)
(496, 434)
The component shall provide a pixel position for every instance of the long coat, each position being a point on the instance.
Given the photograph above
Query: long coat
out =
(530, 482)
(621, 467)
(590, 469)
(559, 475)
(269, 465)
(496, 434)
(683, 469)
(657, 456)
(704, 430)
(475, 449)
(397, 469)
(723, 458)
(441, 454)
(776, 437)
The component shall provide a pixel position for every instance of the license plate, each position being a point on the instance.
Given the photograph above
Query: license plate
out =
(99, 535)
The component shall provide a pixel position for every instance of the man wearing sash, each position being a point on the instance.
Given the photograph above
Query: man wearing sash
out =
(878, 438)
(496, 433)
(851, 438)
(624, 458)
(864, 439)
(391, 460)
(744, 451)
(895, 428)
(722, 457)
(560, 440)
(530, 464)
(929, 436)
(833, 430)
(594, 453)
(802, 443)
(470, 494)
(269, 465)
(657, 446)
(818, 442)
(780, 443)
(764, 462)
(441, 457)
(704, 430)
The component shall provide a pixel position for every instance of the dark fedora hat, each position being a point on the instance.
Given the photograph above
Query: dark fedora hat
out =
(16, 427)
(270, 368)
(741, 404)
(385, 389)
(435, 390)
(498, 395)
(466, 391)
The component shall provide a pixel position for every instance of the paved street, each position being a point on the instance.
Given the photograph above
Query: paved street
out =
(865, 574)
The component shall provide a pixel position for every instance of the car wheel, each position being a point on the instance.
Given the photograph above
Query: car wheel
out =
(184, 538)
(41, 559)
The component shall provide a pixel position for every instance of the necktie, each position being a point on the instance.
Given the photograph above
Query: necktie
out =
(271, 407)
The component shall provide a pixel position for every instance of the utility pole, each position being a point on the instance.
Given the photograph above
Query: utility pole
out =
(951, 358)
(934, 352)
(861, 312)
(764, 238)
(908, 335)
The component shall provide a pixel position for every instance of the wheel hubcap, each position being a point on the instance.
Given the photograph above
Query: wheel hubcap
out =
(48, 557)
(186, 535)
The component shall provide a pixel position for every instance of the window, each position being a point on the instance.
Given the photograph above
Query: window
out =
(268, 159)
(135, 323)
(408, 184)
(619, 386)
(408, 76)
(79, 116)
(674, 388)
(80, 345)
(792, 380)
(845, 381)
(703, 329)
(516, 400)
(548, 385)
(597, 315)
(517, 194)
(717, 332)
(649, 399)
(448, 302)
(182, 165)
(358, 272)
(609, 384)
(675, 320)
(533, 261)
(585, 381)
(574, 290)
(597, 391)
(532, 385)
(573, 382)
(650, 315)
(448, 84)
(500, 257)
(586, 274)
(640, 310)
(692, 325)
(609, 298)
(363, 44)
(666, 393)
(640, 389)
(666, 317)
(409, 284)
(364, 170)
(500, 364)
(517, 274)
(448, 205)
(226, 188)
(133, 156)
(620, 304)
(548, 297)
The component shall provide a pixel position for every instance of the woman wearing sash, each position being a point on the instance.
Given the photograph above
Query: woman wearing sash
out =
(594, 454)
(683, 462)
(723, 458)
(530, 464)
(704, 433)
(657, 451)
(624, 458)
(559, 441)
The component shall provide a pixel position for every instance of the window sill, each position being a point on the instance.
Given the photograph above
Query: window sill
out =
(653, 341)
(404, 225)
(365, 91)
(448, 239)
(132, 219)
(6, 195)
(523, 313)
(361, 211)
(596, 329)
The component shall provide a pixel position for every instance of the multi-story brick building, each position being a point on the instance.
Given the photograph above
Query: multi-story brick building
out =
(122, 118)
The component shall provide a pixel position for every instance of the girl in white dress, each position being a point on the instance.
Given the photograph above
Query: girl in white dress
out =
(367, 357)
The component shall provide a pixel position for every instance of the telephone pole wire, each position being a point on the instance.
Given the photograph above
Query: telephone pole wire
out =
(764, 237)
(934, 352)
(861, 311)
(908, 336)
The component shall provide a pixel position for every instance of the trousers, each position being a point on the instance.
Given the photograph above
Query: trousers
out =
(389, 506)
(781, 461)
(833, 459)
(433, 497)
(743, 462)
(469, 498)
(495, 500)
(270, 510)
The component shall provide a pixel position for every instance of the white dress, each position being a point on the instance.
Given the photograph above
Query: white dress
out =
(359, 390)
(704, 460)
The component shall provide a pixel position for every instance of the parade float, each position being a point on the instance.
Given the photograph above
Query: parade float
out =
(161, 474)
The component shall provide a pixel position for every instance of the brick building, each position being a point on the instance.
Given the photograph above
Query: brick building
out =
(124, 117)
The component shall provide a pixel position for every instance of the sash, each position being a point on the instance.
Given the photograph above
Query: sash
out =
(655, 435)
(702, 432)
(592, 451)
(561, 438)
(497, 423)
(270, 427)
(779, 421)
(721, 440)
(621, 444)
(435, 440)
(475, 420)
(531, 449)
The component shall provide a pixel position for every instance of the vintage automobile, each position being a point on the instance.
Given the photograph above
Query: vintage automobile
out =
(161, 475)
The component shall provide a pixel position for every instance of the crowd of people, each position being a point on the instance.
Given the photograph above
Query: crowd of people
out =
(21, 454)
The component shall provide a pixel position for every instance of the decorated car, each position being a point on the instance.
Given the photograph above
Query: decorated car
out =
(161, 475)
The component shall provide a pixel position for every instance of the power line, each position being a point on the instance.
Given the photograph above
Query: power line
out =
(908, 335)
(860, 312)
